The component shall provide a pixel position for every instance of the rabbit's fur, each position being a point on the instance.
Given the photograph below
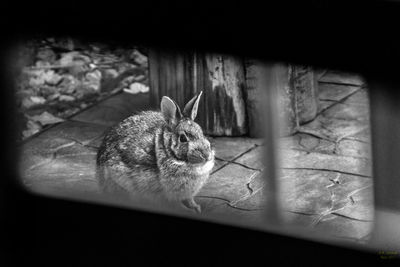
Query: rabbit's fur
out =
(157, 154)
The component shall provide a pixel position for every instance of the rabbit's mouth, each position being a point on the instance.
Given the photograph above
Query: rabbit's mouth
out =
(204, 168)
(200, 157)
(196, 160)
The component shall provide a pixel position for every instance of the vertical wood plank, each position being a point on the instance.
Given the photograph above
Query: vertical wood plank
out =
(181, 75)
(297, 94)
(256, 96)
(305, 84)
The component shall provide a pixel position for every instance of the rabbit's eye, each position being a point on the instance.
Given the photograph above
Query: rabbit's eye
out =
(183, 138)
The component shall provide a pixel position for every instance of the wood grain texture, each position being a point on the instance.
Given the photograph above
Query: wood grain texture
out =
(256, 96)
(181, 75)
(297, 95)
(305, 84)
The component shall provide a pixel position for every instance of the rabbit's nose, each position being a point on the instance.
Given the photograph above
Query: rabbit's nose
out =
(206, 155)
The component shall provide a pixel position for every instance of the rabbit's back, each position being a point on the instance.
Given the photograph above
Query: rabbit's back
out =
(132, 140)
(127, 155)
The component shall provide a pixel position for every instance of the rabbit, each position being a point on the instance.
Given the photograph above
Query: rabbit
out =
(157, 154)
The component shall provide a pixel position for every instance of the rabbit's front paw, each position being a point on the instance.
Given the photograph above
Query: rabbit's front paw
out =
(191, 204)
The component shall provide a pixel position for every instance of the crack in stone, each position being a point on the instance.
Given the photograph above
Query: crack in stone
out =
(327, 170)
(335, 181)
(302, 213)
(251, 192)
(249, 188)
(235, 158)
(219, 168)
(219, 198)
(357, 140)
(247, 167)
(329, 100)
(53, 153)
(55, 150)
(44, 129)
(238, 208)
(351, 218)
(46, 180)
(340, 138)
(323, 214)
(245, 152)
(358, 190)
(92, 147)
(320, 136)
(325, 153)
(45, 162)
(238, 163)
(245, 197)
(342, 99)
(74, 154)
(335, 212)
(312, 132)
(85, 143)
(344, 84)
(306, 149)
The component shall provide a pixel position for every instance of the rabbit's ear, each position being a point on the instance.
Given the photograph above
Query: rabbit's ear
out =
(191, 107)
(170, 110)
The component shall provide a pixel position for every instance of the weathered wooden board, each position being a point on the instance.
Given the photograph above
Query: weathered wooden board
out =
(296, 91)
(305, 84)
(181, 75)
(234, 90)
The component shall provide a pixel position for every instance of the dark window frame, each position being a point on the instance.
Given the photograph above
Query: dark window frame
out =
(40, 229)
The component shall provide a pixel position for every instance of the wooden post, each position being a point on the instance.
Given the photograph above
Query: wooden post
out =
(234, 90)
(305, 85)
(181, 75)
(297, 98)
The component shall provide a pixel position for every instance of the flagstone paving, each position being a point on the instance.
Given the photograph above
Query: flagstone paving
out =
(324, 170)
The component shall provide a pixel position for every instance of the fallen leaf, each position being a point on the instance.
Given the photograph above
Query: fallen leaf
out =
(32, 128)
(66, 43)
(52, 78)
(37, 78)
(42, 63)
(37, 100)
(139, 58)
(25, 93)
(46, 54)
(93, 80)
(110, 73)
(53, 97)
(66, 98)
(27, 103)
(70, 112)
(68, 84)
(67, 58)
(46, 118)
(70, 90)
(40, 77)
(135, 88)
(74, 57)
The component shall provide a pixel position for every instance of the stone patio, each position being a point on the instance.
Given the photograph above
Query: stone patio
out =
(324, 169)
